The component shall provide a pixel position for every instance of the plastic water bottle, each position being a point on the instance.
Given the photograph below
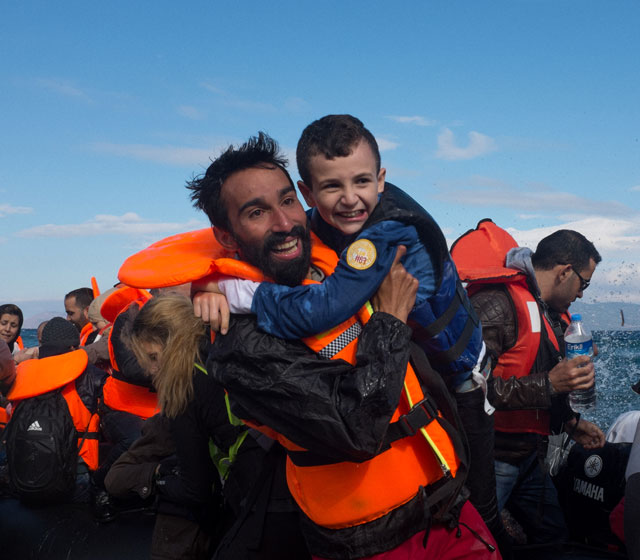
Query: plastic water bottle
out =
(578, 342)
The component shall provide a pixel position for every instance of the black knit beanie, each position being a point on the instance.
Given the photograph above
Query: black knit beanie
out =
(60, 332)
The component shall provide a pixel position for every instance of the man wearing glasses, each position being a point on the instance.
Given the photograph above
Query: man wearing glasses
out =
(524, 316)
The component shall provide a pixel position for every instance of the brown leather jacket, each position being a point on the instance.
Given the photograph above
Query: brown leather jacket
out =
(499, 330)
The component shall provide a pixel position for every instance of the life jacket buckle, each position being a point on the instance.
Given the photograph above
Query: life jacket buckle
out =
(420, 415)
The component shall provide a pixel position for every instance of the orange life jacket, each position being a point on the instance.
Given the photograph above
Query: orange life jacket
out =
(118, 394)
(85, 332)
(480, 258)
(36, 377)
(346, 494)
(19, 342)
(4, 418)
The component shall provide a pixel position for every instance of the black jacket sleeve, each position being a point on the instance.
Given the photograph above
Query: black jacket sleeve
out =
(204, 417)
(333, 408)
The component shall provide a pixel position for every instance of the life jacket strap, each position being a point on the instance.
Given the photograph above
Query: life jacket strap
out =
(441, 322)
(423, 334)
(453, 353)
(409, 424)
(88, 435)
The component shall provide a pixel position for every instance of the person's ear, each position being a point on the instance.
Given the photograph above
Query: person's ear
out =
(563, 272)
(381, 178)
(307, 194)
(225, 239)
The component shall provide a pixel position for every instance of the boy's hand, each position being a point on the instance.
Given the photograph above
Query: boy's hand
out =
(397, 293)
(213, 309)
(206, 284)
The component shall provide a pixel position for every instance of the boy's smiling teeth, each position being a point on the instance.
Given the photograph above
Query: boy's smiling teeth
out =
(351, 214)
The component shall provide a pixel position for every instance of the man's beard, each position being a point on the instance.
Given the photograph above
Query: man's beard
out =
(287, 272)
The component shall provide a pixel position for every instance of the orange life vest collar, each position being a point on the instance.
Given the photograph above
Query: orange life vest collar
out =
(480, 255)
(36, 377)
(193, 255)
(118, 300)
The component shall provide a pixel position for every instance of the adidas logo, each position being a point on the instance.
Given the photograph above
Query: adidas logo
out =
(35, 427)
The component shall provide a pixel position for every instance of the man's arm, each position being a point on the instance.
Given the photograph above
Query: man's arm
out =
(536, 391)
(499, 331)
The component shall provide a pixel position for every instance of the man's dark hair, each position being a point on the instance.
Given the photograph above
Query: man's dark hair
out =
(84, 296)
(564, 246)
(332, 136)
(259, 151)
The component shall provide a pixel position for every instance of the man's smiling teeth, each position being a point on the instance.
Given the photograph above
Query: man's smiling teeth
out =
(286, 247)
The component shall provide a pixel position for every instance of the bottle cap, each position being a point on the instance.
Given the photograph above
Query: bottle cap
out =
(576, 317)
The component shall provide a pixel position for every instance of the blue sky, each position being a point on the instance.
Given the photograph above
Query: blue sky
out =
(525, 111)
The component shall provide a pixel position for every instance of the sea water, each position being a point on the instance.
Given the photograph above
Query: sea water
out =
(617, 366)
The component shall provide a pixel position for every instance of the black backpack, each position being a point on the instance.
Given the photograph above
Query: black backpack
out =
(42, 449)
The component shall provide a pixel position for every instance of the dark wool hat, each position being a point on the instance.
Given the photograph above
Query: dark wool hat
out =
(60, 332)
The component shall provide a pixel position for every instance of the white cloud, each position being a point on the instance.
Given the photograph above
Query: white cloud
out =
(479, 145)
(615, 236)
(417, 120)
(617, 277)
(63, 87)
(191, 112)
(386, 145)
(172, 155)
(635, 189)
(534, 197)
(105, 224)
(7, 209)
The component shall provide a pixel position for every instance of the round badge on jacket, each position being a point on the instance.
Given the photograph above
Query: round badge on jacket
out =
(361, 254)
(593, 466)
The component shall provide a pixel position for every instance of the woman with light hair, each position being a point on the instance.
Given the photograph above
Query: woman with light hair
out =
(171, 344)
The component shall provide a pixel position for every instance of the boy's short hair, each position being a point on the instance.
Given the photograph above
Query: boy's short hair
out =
(258, 151)
(332, 136)
(564, 246)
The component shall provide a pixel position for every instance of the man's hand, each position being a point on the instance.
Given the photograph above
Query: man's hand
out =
(586, 434)
(569, 375)
(26, 354)
(213, 309)
(397, 293)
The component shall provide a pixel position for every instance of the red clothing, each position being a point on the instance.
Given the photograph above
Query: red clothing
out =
(444, 543)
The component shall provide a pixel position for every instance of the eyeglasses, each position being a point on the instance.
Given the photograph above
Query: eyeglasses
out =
(584, 284)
